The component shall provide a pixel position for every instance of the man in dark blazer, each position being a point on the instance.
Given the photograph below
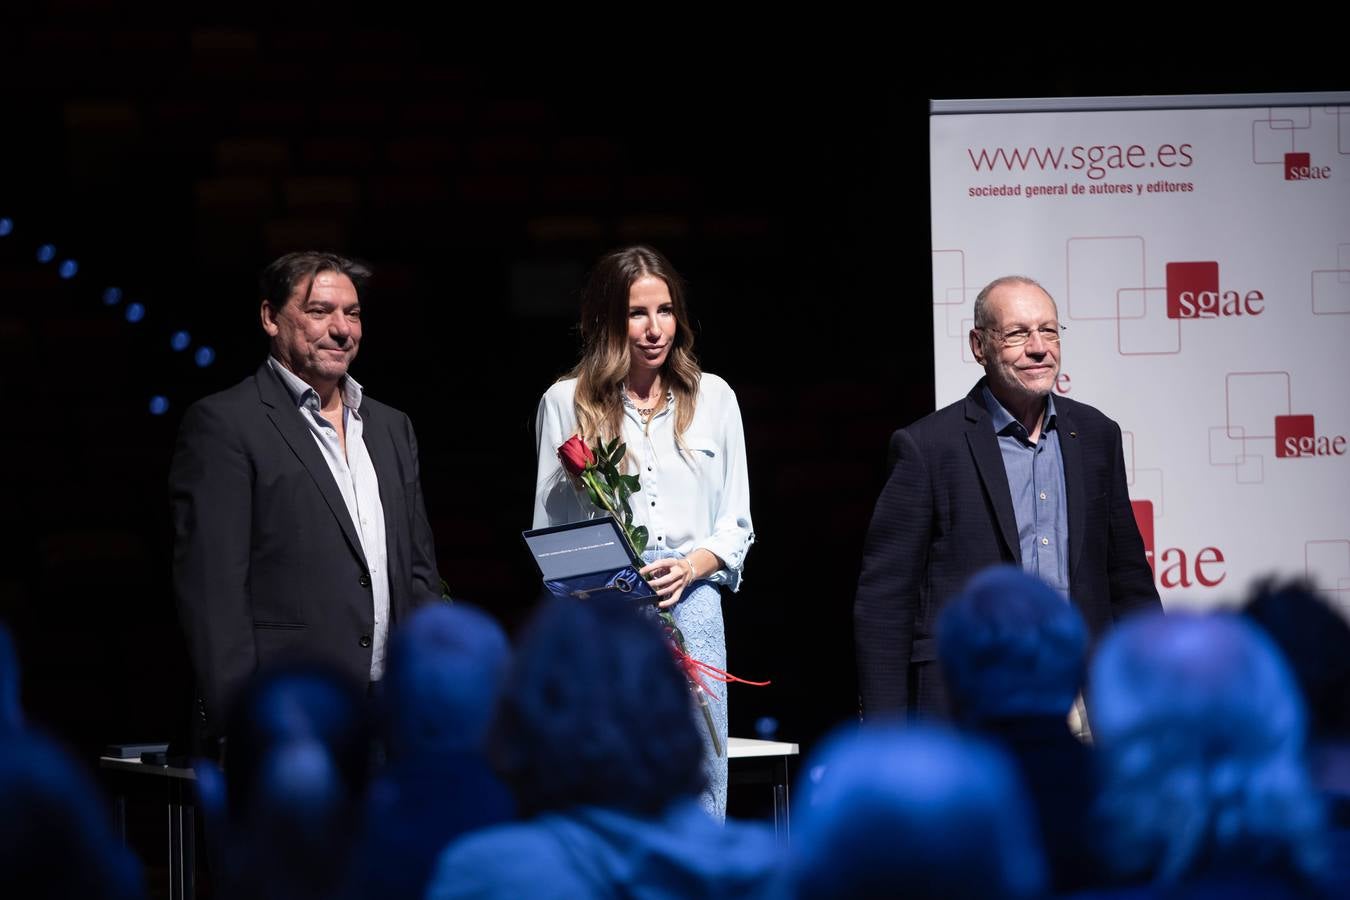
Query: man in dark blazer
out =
(1007, 475)
(299, 527)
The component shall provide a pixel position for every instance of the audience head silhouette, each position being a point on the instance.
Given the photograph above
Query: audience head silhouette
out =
(11, 711)
(297, 762)
(1009, 645)
(1202, 734)
(445, 669)
(1315, 639)
(913, 812)
(596, 712)
(56, 837)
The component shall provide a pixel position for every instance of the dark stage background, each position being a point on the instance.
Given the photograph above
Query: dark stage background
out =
(174, 159)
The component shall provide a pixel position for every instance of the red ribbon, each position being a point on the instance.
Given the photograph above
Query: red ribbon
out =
(695, 670)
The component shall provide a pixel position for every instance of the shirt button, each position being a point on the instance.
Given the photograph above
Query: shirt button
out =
(653, 503)
(1045, 541)
(649, 468)
(1042, 495)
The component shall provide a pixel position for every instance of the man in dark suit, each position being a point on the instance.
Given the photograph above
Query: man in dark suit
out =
(299, 527)
(1010, 474)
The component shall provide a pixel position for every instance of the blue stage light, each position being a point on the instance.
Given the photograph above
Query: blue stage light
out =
(46, 253)
(766, 727)
(159, 405)
(6, 226)
(68, 269)
(112, 296)
(180, 340)
(135, 312)
(204, 356)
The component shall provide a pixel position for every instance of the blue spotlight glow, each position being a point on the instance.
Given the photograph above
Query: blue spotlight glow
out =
(159, 405)
(135, 312)
(68, 269)
(766, 727)
(204, 357)
(46, 253)
(6, 226)
(180, 340)
(112, 296)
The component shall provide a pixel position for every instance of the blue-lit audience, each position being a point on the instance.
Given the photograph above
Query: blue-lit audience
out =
(597, 735)
(11, 710)
(56, 834)
(442, 678)
(1205, 790)
(572, 768)
(1013, 655)
(1315, 639)
(913, 812)
(297, 764)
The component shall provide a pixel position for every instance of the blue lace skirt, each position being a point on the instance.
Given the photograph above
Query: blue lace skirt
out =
(699, 617)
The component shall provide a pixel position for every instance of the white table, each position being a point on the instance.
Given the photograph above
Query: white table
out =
(751, 761)
(765, 762)
(179, 783)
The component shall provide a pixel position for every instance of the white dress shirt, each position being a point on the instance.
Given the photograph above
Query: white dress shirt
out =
(355, 476)
(696, 497)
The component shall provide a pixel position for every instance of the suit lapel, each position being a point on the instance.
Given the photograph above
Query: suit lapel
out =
(1071, 452)
(989, 463)
(281, 410)
(379, 443)
(375, 434)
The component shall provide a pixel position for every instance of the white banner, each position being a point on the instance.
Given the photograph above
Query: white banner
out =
(1200, 259)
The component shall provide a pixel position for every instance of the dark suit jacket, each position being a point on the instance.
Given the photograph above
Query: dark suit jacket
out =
(946, 513)
(267, 562)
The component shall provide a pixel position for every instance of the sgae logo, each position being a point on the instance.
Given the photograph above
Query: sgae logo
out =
(1193, 293)
(1174, 568)
(1297, 436)
(1299, 167)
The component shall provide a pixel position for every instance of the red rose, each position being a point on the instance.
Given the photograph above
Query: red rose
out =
(575, 455)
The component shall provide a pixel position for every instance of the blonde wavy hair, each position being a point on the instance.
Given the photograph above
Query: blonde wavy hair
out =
(605, 354)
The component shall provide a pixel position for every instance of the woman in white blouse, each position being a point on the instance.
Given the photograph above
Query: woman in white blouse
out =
(638, 379)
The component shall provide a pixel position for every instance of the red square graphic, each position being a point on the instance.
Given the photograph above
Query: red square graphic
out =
(1290, 432)
(1293, 163)
(1143, 517)
(1192, 290)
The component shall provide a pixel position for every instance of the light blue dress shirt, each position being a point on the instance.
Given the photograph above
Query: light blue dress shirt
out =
(1036, 480)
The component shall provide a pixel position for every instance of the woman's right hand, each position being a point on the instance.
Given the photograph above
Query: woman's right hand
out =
(669, 578)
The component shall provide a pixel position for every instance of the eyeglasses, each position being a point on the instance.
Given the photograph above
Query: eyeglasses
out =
(1019, 336)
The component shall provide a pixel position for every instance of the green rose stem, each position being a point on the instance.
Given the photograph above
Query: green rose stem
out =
(602, 498)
